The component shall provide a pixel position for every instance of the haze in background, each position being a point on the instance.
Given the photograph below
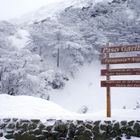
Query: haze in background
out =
(10, 9)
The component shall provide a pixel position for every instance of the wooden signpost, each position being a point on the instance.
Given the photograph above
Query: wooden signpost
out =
(121, 83)
(120, 60)
(124, 48)
(108, 83)
(116, 72)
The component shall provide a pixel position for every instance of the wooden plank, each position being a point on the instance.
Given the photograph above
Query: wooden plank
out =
(120, 60)
(116, 72)
(124, 48)
(120, 83)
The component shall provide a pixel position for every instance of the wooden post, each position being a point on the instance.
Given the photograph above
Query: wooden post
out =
(108, 90)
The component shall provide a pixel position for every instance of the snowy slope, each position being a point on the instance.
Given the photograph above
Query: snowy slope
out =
(50, 10)
(28, 107)
(82, 91)
(85, 90)
(53, 9)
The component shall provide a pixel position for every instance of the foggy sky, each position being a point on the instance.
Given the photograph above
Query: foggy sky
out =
(10, 9)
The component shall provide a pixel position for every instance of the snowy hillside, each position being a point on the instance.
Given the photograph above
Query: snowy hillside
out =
(50, 69)
(54, 53)
(52, 10)
(27, 107)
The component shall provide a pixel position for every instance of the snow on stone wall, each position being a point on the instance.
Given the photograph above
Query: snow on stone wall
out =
(20, 129)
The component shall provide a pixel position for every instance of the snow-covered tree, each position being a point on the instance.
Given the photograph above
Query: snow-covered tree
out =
(49, 38)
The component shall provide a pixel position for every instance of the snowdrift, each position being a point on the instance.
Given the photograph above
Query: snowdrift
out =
(27, 107)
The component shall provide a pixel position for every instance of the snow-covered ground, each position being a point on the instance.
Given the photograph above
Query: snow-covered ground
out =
(27, 107)
(85, 90)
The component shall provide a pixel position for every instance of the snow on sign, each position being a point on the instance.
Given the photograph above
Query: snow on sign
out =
(114, 72)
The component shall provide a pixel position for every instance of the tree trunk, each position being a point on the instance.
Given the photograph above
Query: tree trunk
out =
(58, 57)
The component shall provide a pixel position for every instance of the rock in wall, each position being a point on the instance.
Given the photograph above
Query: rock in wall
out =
(20, 129)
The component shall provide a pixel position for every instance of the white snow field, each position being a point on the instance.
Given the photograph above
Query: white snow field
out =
(27, 107)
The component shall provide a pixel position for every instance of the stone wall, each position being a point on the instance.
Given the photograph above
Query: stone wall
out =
(16, 129)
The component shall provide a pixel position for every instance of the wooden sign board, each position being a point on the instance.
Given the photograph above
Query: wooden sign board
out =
(125, 48)
(116, 72)
(121, 83)
(120, 60)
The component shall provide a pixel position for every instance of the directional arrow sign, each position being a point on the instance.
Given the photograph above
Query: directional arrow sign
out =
(125, 48)
(120, 60)
(116, 72)
(120, 83)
